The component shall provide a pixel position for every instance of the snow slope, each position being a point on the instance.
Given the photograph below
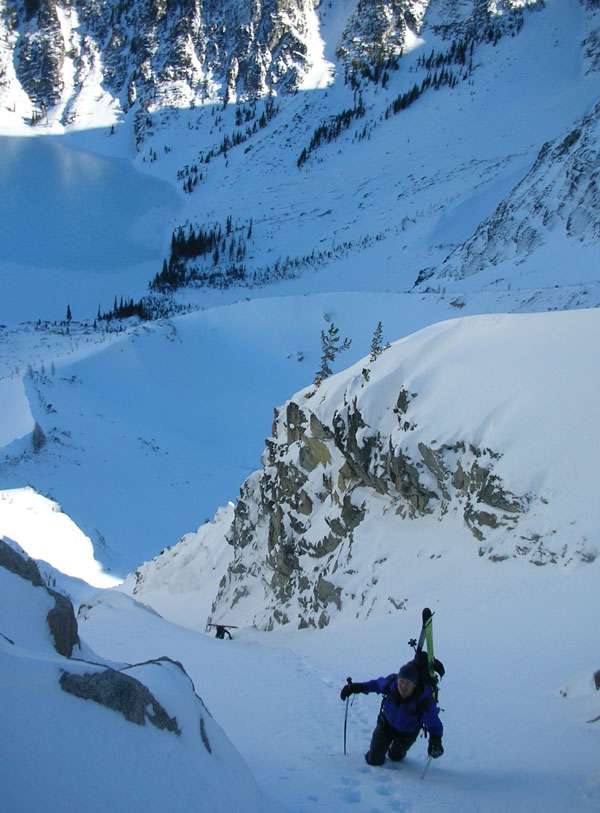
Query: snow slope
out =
(151, 429)
(63, 753)
(519, 655)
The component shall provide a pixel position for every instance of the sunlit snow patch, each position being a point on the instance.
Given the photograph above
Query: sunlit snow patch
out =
(321, 72)
(44, 532)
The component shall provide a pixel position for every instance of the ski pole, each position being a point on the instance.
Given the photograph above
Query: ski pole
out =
(349, 681)
(427, 764)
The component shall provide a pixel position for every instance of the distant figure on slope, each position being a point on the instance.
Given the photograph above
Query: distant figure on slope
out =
(222, 632)
(407, 706)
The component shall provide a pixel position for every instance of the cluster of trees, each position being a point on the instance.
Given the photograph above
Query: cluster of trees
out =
(125, 309)
(226, 250)
(332, 345)
(443, 76)
(192, 175)
(36, 117)
(177, 275)
(203, 241)
(330, 130)
(216, 242)
(376, 71)
(457, 54)
(512, 22)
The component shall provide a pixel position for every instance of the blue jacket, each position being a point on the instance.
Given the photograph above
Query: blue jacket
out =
(406, 715)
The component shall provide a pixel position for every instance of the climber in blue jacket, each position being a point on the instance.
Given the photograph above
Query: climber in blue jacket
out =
(408, 705)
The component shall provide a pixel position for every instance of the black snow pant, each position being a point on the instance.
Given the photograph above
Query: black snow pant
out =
(386, 737)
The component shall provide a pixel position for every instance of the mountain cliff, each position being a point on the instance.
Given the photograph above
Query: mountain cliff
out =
(471, 432)
(154, 54)
(559, 194)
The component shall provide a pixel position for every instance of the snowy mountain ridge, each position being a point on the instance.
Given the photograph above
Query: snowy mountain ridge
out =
(560, 192)
(152, 55)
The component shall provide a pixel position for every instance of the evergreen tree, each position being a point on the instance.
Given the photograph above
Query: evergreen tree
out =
(69, 316)
(376, 346)
(38, 438)
(330, 348)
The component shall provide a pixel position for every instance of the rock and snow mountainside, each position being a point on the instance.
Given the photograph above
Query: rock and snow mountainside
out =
(82, 733)
(187, 78)
(560, 193)
(153, 53)
(146, 55)
(475, 434)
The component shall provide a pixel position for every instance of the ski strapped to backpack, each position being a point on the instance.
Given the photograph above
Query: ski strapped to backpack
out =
(430, 669)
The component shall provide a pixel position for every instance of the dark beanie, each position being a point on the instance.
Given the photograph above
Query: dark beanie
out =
(409, 672)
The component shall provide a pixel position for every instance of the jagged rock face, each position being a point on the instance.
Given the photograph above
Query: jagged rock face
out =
(298, 518)
(61, 618)
(156, 52)
(379, 30)
(561, 191)
(122, 690)
(40, 53)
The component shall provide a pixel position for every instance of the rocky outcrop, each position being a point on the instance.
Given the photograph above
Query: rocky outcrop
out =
(560, 192)
(297, 519)
(379, 30)
(122, 693)
(158, 53)
(61, 618)
(63, 624)
(22, 566)
(131, 695)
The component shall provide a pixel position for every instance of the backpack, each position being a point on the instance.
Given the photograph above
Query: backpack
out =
(421, 661)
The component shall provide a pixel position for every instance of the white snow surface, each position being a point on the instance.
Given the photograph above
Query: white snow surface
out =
(150, 430)
(64, 753)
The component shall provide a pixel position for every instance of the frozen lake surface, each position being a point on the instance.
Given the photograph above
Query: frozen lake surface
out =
(52, 195)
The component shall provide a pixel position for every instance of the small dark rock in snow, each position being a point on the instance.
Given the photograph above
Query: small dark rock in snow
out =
(121, 693)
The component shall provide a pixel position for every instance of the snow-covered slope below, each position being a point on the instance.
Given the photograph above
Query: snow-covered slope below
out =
(519, 650)
(85, 733)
